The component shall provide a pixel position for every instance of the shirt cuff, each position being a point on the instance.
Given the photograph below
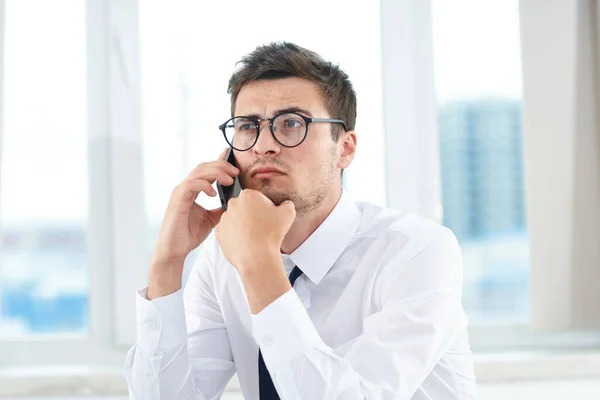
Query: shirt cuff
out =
(284, 331)
(161, 325)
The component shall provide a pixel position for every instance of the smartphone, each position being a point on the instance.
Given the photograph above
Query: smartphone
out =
(228, 192)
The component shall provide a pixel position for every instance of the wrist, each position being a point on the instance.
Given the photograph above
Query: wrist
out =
(264, 282)
(160, 287)
(259, 260)
(164, 279)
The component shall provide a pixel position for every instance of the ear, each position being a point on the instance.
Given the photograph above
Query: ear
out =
(348, 149)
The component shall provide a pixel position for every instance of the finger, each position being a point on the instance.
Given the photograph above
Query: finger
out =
(223, 154)
(209, 170)
(223, 178)
(193, 187)
(214, 172)
(288, 209)
(287, 214)
(230, 168)
(288, 206)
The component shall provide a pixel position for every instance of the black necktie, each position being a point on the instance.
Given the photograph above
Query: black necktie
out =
(265, 383)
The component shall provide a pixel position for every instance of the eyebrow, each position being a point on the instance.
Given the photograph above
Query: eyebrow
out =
(284, 110)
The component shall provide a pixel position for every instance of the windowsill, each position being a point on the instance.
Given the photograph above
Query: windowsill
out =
(496, 367)
(536, 365)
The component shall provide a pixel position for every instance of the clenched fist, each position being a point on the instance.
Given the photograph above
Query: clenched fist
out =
(250, 234)
(252, 228)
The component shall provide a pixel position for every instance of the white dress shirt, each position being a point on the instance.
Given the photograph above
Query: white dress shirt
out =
(377, 314)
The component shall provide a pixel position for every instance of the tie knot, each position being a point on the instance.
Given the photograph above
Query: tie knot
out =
(295, 274)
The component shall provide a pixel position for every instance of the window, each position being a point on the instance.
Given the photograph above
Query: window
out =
(43, 182)
(478, 84)
(185, 74)
(68, 274)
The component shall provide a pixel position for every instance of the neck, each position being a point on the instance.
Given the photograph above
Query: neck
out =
(305, 225)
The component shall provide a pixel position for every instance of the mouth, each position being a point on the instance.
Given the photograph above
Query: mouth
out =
(267, 172)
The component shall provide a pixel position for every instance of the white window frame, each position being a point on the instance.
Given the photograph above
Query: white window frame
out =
(565, 307)
(410, 108)
(116, 221)
(118, 227)
(562, 161)
(1, 106)
(412, 156)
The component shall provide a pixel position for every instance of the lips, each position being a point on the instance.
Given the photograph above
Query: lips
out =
(266, 171)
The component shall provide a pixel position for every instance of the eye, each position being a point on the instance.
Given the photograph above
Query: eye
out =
(293, 123)
(246, 126)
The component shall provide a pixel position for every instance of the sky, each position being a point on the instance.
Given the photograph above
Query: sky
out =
(44, 175)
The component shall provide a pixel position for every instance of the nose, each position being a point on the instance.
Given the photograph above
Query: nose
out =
(266, 143)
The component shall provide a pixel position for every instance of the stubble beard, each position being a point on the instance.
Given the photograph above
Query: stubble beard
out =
(305, 203)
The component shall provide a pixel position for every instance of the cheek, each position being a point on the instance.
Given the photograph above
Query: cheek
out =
(316, 166)
(307, 161)
(243, 162)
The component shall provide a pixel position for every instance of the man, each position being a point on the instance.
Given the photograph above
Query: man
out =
(302, 292)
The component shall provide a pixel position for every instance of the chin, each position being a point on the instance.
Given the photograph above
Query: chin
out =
(276, 195)
(273, 191)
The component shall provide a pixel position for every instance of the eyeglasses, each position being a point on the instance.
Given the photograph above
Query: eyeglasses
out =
(288, 128)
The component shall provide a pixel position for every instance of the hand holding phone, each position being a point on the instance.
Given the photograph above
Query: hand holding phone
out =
(228, 192)
(186, 224)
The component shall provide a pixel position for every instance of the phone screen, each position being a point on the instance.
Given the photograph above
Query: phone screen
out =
(229, 192)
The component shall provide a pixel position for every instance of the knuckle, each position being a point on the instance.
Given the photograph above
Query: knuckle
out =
(181, 188)
(186, 185)
(189, 185)
(197, 169)
(201, 169)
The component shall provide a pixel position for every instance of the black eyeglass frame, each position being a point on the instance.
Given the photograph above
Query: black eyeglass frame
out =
(257, 121)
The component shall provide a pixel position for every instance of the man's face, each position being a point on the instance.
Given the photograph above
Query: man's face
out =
(310, 171)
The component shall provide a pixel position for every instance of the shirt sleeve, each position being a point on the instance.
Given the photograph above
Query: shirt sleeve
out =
(400, 344)
(182, 349)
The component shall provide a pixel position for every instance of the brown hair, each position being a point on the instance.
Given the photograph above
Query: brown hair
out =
(282, 60)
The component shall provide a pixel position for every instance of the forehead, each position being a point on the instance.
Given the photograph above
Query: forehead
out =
(265, 97)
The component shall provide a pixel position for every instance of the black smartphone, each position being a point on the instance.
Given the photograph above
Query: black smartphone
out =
(229, 192)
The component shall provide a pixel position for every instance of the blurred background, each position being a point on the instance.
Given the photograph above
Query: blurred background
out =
(479, 114)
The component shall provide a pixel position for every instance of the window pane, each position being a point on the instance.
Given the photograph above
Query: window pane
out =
(478, 79)
(185, 74)
(43, 182)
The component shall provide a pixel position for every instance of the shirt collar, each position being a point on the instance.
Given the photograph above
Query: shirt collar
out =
(318, 253)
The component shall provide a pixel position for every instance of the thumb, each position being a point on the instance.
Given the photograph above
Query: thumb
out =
(288, 209)
(215, 215)
(288, 204)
